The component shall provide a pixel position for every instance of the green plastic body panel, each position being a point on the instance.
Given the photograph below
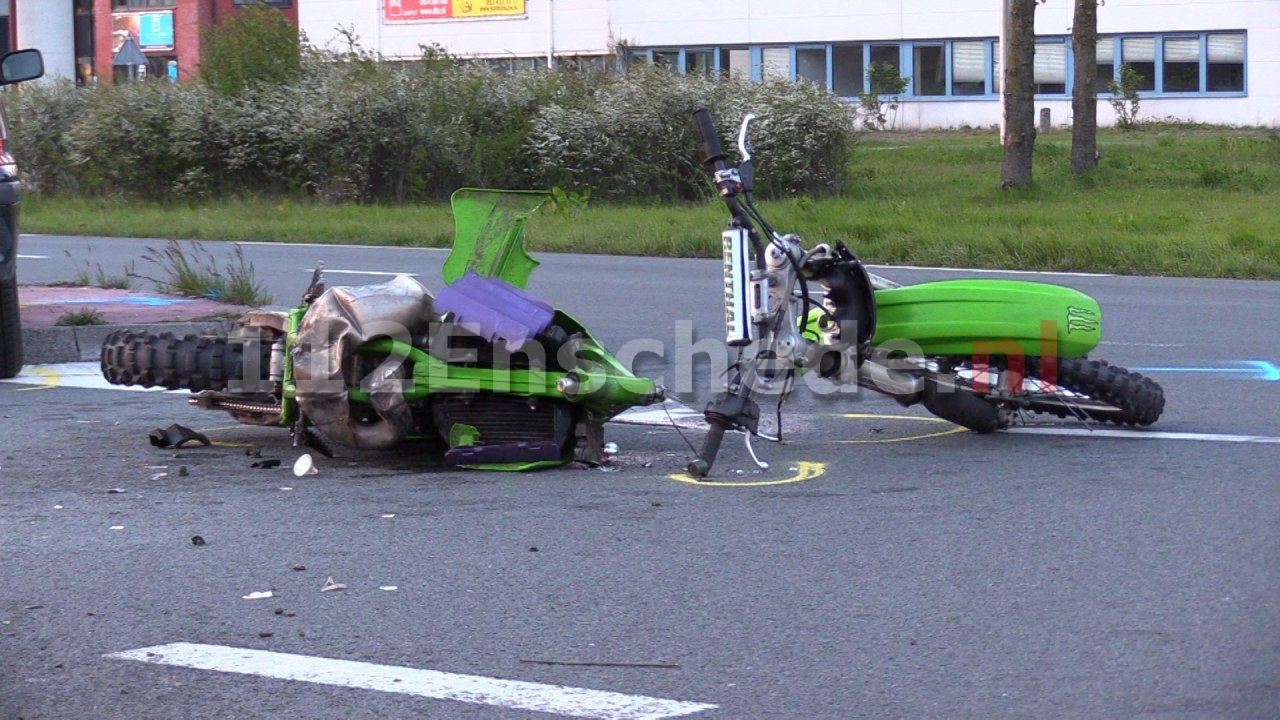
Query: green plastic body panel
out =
(488, 234)
(966, 317)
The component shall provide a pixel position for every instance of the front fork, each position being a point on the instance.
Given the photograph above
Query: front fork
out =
(758, 309)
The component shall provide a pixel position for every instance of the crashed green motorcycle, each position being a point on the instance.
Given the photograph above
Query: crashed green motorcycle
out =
(983, 354)
(504, 379)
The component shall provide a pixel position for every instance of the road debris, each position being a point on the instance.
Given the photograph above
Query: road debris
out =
(176, 436)
(388, 516)
(116, 491)
(157, 476)
(259, 595)
(304, 465)
(182, 471)
(117, 527)
(197, 540)
(299, 568)
(389, 588)
(265, 464)
(331, 585)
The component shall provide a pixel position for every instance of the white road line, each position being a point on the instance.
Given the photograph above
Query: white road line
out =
(991, 271)
(555, 699)
(339, 245)
(86, 375)
(32, 257)
(1145, 434)
(333, 271)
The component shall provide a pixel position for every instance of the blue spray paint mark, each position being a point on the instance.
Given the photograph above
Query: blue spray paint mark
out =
(1254, 369)
(145, 300)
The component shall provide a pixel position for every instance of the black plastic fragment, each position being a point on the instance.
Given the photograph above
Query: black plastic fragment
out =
(176, 436)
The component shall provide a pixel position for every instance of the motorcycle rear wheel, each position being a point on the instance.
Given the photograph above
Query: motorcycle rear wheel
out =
(194, 362)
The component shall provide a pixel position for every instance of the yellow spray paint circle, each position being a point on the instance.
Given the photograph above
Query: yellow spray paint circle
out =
(951, 430)
(805, 470)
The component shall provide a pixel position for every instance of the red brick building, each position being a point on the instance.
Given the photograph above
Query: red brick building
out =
(81, 38)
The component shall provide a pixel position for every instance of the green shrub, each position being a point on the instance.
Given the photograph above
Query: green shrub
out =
(254, 45)
(347, 128)
(42, 116)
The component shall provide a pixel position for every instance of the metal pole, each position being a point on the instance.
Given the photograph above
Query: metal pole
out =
(551, 34)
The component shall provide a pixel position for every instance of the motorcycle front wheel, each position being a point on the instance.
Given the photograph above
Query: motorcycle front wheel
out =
(1074, 388)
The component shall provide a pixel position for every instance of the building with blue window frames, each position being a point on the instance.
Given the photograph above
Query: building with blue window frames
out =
(1211, 61)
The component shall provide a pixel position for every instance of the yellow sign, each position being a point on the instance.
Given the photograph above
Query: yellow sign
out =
(409, 10)
(486, 8)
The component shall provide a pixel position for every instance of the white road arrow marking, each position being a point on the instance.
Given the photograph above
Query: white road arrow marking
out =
(516, 694)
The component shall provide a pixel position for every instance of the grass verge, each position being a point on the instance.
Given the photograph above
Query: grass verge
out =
(1163, 201)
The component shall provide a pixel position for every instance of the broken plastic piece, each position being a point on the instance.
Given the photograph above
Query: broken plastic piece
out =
(263, 464)
(304, 465)
(258, 595)
(176, 436)
(331, 585)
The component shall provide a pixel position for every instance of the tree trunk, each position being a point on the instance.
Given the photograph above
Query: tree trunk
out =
(1084, 98)
(1019, 94)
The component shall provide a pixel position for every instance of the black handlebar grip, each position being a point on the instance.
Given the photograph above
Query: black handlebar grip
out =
(710, 141)
(701, 467)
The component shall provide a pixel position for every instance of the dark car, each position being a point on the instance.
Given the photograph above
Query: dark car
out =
(14, 67)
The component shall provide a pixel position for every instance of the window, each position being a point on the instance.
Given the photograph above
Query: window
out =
(699, 62)
(846, 70)
(811, 65)
(1140, 54)
(995, 67)
(775, 63)
(968, 71)
(1106, 65)
(666, 59)
(1182, 64)
(141, 4)
(1051, 68)
(888, 57)
(1226, 62)
(930, 70)
(735, 63)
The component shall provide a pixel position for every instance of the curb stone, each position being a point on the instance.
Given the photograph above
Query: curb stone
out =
(43, 345)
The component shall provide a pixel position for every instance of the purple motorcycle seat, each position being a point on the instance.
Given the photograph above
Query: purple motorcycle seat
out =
(494, 310)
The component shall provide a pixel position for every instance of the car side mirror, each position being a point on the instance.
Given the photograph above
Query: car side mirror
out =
(21, 65)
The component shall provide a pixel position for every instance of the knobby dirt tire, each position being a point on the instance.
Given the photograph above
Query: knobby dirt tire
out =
(1133, 398)
(193, 362)
(10, 331)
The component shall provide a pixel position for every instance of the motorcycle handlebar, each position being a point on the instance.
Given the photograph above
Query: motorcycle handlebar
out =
(710, 141)
(701, 466)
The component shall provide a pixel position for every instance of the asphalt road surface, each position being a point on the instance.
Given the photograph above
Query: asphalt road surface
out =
(884, 566)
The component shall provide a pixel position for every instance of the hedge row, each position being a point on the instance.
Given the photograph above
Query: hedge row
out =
(350, 129)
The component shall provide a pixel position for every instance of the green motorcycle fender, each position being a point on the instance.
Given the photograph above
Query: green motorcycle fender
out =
(984, 317)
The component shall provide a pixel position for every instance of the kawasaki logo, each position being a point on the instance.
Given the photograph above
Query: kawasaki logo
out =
(1081, 320)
